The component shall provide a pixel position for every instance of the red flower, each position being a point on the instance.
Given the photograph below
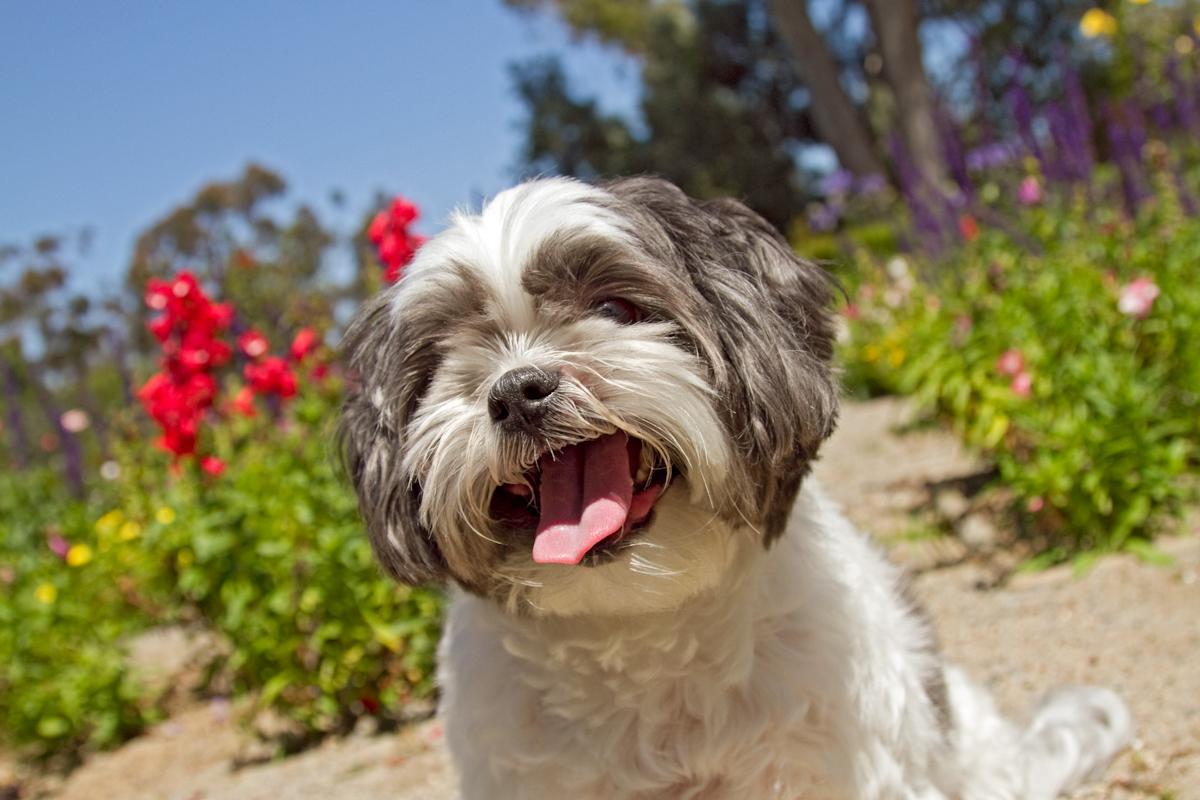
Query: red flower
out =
(968, 227)
(243, 403)
(389, 233)
(212, 465)
(304, 343)
(271, 375)
(253, 343)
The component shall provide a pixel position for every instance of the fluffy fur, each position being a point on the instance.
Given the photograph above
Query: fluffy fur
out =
(740, 641)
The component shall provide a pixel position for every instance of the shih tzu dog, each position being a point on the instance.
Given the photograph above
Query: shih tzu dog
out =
(593, 408)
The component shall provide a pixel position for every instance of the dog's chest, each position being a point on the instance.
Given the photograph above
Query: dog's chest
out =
(712, 708)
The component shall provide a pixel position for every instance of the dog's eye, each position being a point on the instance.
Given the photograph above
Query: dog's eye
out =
(618, 310)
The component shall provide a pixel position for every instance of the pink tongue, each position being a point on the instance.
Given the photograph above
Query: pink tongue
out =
(585, 494)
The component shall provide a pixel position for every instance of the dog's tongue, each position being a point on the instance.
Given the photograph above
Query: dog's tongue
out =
(585, 494)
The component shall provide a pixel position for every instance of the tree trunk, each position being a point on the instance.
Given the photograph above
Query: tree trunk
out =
(835, 116)
(895, 26)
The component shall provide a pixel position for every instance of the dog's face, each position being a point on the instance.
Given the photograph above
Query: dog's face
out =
(588, 398)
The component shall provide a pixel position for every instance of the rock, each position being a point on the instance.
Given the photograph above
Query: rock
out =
(952, 505)
(977, 532)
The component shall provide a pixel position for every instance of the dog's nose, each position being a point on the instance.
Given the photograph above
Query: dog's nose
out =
(518, 399)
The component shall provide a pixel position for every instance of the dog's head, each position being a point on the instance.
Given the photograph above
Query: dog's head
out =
(580, 397)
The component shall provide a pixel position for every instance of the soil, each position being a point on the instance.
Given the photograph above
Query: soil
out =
(1125, 624)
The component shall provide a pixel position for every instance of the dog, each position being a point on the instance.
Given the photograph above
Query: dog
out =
(593, 409)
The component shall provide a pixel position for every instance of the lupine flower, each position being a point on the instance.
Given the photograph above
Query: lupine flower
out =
(870, 184)
(389, 233)
(821, 217)
(1011, 362)
(1137, 297)
(839, 181)
(1030, 191)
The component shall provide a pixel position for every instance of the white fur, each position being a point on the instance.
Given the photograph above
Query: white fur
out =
(800, 676)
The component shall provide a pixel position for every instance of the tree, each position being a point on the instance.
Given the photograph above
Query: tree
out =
(836, 117)
(722, 109)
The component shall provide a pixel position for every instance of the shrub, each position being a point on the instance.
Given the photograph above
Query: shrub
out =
(272, 554)
(63, 682)
(1074, 368)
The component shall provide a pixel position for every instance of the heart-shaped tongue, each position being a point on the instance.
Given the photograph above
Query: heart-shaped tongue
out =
(585, 494)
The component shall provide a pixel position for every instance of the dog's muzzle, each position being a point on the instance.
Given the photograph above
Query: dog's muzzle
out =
(519, 398)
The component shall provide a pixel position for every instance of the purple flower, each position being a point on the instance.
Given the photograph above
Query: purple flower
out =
(839, 181)
(821, 217)
(870, 184)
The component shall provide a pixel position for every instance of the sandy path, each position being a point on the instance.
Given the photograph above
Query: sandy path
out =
(1127, 625)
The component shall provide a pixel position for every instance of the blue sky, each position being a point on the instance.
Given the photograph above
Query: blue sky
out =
(114, 112)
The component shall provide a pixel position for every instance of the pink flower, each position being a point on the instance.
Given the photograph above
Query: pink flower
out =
(1137, 297)
(852, 311)
(212, 465)
(59, 545)
(1030, 191)
(1022, 385)
(1035, 504)
(1011, 362)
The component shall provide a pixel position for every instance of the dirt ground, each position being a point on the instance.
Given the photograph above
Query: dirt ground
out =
(1124, 624)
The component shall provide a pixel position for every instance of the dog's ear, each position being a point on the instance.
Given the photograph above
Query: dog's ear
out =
(767, 331)
(371, 436)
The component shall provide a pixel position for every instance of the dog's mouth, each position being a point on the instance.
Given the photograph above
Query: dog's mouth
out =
(585, 498)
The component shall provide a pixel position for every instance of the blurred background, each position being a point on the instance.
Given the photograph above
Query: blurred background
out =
(194, 198)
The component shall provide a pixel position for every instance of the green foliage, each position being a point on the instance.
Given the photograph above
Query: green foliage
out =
(272, 554)
(1098, 447)
(63, 682)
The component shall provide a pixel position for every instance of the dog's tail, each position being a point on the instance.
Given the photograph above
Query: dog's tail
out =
(1074, 735)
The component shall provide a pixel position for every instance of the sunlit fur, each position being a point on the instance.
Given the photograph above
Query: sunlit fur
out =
(747, 642)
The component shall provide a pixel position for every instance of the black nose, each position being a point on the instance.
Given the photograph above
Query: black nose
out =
(518, 399)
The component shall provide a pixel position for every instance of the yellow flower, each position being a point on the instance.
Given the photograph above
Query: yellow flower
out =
(165, 515)
(109, 522)
(1196, 24)
(896, 356)
(46, 593)
(1097, 22)
(185, 558)
(871, 352)
(1141, 2)
(79, 555)
(130, 530)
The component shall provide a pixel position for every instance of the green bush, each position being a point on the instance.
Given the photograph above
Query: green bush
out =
(269, 553)
(1097, 434)
(63, 681)
(272, 554)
